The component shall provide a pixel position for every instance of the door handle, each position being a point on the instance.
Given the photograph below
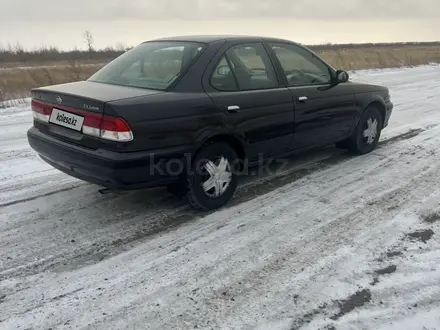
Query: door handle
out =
(233, 108)
(302, 99)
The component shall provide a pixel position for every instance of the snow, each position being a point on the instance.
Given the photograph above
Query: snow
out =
(290, 252)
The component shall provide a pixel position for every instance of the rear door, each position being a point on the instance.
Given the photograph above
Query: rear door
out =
(324, 112)
(243, 85)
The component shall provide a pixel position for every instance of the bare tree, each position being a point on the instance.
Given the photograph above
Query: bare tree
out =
(89, 40)
(120, 47)
(18, 48)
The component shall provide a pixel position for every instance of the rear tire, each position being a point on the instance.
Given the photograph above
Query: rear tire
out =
(212, 179)
(367, 133)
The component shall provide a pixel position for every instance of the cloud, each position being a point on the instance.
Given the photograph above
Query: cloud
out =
(47, 11)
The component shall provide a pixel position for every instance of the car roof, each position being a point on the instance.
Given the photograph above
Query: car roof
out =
(213, 38)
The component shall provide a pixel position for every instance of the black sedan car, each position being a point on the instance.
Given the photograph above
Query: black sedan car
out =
(191, 113)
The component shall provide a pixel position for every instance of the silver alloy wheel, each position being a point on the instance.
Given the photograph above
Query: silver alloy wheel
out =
(220, 177)
(370, 132)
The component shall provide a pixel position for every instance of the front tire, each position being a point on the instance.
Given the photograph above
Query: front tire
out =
(367, 133)
(213, 179)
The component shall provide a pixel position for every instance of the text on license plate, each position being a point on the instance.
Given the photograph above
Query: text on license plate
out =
(66, 119)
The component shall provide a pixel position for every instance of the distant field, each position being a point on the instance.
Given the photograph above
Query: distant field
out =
(24, 71)
(16, 83)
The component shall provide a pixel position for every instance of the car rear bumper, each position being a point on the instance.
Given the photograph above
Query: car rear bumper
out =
(114, 170)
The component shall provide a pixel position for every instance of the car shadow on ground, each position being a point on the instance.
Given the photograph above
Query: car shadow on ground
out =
(270, 175)
(261, 180)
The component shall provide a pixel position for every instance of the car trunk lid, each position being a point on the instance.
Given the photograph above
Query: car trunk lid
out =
(75, 113)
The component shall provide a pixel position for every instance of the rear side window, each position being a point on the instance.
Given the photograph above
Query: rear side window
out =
(152, 65)
(245, 67)
(223, 79)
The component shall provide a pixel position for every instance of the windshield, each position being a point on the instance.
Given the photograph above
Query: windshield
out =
(152, 65)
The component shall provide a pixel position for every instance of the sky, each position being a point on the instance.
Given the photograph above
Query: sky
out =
(62, 23)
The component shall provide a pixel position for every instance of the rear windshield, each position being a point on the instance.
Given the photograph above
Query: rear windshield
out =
(152, 65)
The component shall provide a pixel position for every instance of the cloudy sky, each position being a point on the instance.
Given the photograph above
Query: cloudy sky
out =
(62, 23)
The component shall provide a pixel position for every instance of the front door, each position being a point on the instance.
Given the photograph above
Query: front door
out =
(324, 112)
(245, 89)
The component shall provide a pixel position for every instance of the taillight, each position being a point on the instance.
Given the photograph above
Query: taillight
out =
(97, 125)
(108, 128)
(41, 111)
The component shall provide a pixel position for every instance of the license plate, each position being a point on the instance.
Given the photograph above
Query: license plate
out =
(66, 119)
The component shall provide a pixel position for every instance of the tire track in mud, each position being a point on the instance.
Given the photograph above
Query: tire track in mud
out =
(98, 252)
(50, 193)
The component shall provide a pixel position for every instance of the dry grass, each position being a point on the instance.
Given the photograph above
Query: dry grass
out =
(16, 82)
(24, 65)
(381, 57)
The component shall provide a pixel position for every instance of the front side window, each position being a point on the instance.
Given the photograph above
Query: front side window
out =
(301, 67)
(152, 65)
(245, 67)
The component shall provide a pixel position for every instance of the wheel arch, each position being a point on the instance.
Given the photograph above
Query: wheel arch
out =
(379, 104)
(233, 141)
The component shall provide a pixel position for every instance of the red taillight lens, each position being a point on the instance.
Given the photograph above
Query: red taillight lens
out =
(115, 129)
(41, 111)
(108, 128)
(114, 124)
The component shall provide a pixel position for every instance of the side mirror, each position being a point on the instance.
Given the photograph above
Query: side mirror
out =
(223, 70)
(342, 76)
